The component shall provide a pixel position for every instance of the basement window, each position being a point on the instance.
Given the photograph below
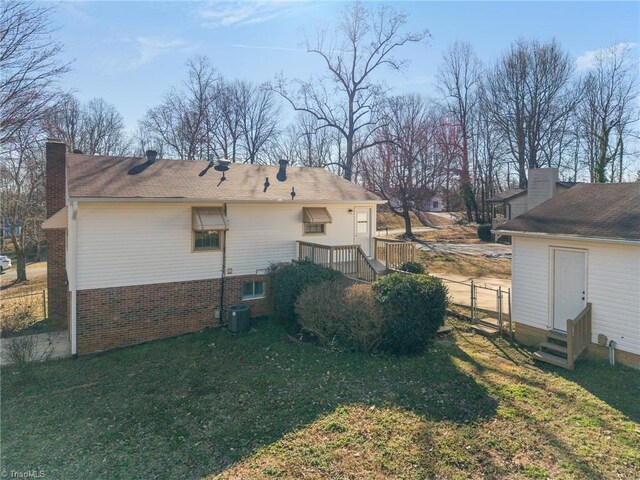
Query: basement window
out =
(208, 225)
(253, 290)
(315, 220)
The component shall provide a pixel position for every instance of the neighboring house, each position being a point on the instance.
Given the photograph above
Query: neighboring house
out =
(435, 204)
(542, 185)
(137, 257)
(577, 257)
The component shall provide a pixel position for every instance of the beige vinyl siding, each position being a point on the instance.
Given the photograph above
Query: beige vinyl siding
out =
(137, 244)
(613, 287)
(122, 244)
(260, 234)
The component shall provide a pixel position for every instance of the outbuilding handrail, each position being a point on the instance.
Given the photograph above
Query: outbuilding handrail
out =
(578, 335)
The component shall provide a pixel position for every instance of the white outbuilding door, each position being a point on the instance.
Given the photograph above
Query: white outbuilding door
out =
(363, 229)
(569, 286)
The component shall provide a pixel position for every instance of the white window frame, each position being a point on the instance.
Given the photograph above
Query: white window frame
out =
(254, 296)
(323, 232)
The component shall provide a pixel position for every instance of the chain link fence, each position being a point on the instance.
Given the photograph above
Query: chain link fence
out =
(21, 311)
(486, 304)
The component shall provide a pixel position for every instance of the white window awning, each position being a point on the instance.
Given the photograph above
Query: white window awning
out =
(57, 221)
(316, 215)
(209, 218)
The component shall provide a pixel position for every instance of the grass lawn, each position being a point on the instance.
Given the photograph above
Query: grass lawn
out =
(262, 405)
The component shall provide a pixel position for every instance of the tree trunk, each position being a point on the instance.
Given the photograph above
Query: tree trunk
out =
(21, 266)
(407, 222)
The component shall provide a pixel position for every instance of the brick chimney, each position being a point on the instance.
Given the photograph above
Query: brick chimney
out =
(56, 188)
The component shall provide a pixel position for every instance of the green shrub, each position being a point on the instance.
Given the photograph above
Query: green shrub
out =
(484, 232)
(341, 314)
(412, 267)
(412, 309)
(287, 280)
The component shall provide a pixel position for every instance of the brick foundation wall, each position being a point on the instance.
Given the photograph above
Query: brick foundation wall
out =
(109, 318)
(56, 200)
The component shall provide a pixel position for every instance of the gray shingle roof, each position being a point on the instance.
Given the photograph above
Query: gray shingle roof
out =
(507, 194)
(106, 177)
(593, 210)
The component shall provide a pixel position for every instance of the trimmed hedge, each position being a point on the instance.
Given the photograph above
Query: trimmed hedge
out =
(341, 314)
(412, 309)
(484, 232)
(412, 267)
(287, 281)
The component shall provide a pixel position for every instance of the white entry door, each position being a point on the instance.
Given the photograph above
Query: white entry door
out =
(569, 286)
(363, 229)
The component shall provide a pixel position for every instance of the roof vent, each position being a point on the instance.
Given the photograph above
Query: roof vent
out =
(282, 173)
(222, 166)
(151, 156)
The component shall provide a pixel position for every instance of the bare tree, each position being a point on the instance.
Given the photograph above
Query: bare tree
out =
(228, 130)
(458, 80)
(347, 98)
(96, 128)
(304, 143)
(400, 168)
(30, 65)
(22, 195)
(608, 110)
(259, 115)
(528, 93)
(183, 121)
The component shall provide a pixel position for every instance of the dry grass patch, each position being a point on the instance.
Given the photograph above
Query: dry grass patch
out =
(451, 234)
(391, 220)
(466, 265)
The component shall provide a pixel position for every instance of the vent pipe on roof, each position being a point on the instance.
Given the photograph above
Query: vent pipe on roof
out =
(151, 156)
(282, 173)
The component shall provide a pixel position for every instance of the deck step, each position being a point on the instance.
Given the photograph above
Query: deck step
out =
(485, 330)
(550, 358)
(378, 266)
(554, 347)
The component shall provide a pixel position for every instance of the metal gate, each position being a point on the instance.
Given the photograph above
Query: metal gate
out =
(487, 304)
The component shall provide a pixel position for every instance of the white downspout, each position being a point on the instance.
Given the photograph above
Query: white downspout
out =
(72, 258)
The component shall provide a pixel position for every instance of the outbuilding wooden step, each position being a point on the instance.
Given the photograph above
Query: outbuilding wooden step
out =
(550, 358)
(556, 335)
(554, 347)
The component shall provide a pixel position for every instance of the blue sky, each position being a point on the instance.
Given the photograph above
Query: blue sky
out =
(131, 53)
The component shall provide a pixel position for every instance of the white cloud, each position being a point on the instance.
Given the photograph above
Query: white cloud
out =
(586, 61)
(145, 49)
(225, 14)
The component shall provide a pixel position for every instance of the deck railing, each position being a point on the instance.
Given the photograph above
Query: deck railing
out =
(347, 259)
(393, 253)
(578, 335)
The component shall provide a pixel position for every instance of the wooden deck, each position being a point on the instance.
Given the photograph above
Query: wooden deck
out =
(353, 262)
